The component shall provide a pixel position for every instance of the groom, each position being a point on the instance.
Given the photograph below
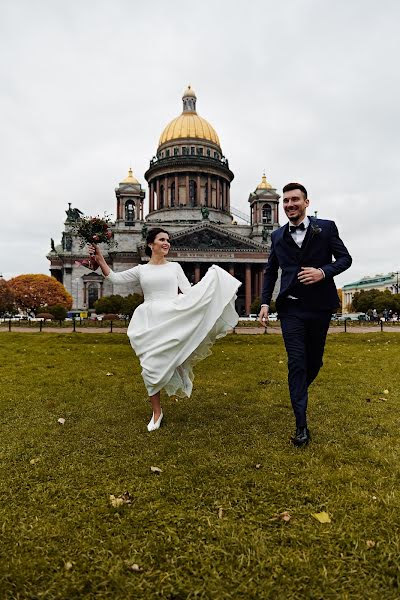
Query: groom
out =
(303, 249)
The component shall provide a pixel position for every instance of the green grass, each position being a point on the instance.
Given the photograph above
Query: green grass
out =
(207, 526)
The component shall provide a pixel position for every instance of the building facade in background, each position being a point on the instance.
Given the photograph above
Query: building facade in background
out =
(390, 282)
(189, 194)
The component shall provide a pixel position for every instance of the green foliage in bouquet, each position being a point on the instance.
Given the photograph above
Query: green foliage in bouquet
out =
(94, 230)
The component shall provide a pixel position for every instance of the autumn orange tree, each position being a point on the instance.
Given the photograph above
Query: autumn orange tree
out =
(33, 292)
(7, 300)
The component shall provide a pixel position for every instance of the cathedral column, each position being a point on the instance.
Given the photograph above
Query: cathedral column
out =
(141, 210)
(224, 195)
(151, 197)
(197, 273)
(176, 190)
(248, 289)
(166, 192)
(84, 293)
(276, 214)
(209, 201)
(198, 199)
(228, 197)
(261, 280)
(187, 201)
(158, 194)
(218, 190)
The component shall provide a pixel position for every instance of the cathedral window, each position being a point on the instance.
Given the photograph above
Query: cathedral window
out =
(129, 211)
(192, 150)
(266, 213)
(176, 151)
(184, 150)
(167, 153)
(200, 151)
(161, 200)
(208, 152)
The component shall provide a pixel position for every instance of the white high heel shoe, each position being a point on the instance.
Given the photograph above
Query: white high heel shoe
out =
(155, 425)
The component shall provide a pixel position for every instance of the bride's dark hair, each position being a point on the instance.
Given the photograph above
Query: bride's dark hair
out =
(151, 236)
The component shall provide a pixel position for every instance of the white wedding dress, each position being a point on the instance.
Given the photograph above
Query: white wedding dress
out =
(171, 332)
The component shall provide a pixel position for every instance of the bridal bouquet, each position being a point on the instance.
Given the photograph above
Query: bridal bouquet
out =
(93, 230)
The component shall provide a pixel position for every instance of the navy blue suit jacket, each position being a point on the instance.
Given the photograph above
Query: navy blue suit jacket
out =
(321, 244)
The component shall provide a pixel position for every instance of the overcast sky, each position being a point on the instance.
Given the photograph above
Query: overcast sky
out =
(307, 90)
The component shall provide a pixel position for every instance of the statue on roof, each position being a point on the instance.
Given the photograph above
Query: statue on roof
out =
(73, 214)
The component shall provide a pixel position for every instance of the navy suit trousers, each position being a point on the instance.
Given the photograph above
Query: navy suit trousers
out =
(304, 333)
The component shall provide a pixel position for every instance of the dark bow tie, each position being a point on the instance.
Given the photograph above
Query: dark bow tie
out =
(294, 228)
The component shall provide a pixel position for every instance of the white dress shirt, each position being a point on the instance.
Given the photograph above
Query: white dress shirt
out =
(299, 235)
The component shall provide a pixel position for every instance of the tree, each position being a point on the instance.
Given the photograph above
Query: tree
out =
(7, 298)
(366, 300)
(109, 304)
(255, 306)
(130, 304)
(34, 292)
(58, 311)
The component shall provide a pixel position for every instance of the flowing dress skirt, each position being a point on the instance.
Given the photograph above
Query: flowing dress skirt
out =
(170, 335)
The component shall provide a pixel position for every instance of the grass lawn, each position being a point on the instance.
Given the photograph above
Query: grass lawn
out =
(208, 525)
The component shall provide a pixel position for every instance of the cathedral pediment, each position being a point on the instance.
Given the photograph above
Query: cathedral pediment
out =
(212, 237)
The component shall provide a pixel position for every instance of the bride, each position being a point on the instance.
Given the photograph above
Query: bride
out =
(171, 332)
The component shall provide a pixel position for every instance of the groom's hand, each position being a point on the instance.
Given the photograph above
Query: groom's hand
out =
(309, 275)
(263, 316)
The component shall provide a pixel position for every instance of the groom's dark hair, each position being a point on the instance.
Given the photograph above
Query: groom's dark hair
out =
(295, 186)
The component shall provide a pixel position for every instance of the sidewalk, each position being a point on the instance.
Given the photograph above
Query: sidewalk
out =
(238, 330)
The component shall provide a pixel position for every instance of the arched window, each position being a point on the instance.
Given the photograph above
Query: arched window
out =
(192, 192)
(93, 294)
(173, 193)
(129, 211)
(266, 214)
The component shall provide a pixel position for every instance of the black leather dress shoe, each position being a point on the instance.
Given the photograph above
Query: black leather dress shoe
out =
(301, 437)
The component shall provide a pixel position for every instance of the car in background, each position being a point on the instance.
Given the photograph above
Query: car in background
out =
(357, 316)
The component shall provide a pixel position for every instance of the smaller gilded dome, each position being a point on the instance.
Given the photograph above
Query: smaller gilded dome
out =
(130, 178)
(189, 92)
(264, 185)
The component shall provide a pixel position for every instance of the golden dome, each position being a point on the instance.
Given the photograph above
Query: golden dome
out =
(189, 124)
(264, 185)
(130, 178)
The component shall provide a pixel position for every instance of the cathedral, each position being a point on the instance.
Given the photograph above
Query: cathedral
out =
(189, 182)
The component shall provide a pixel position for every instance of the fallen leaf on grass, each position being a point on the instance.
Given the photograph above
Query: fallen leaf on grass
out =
(33, 461)
(258, 466)
(156, 470)
(124, 498)
(281, 362)
(285, 516)
(370, 543)
(322, 517)
(68, 566)
(220, 512)
(385, 391)
(133, 567)
(61, 421)
(108, 374)
(383, 399)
